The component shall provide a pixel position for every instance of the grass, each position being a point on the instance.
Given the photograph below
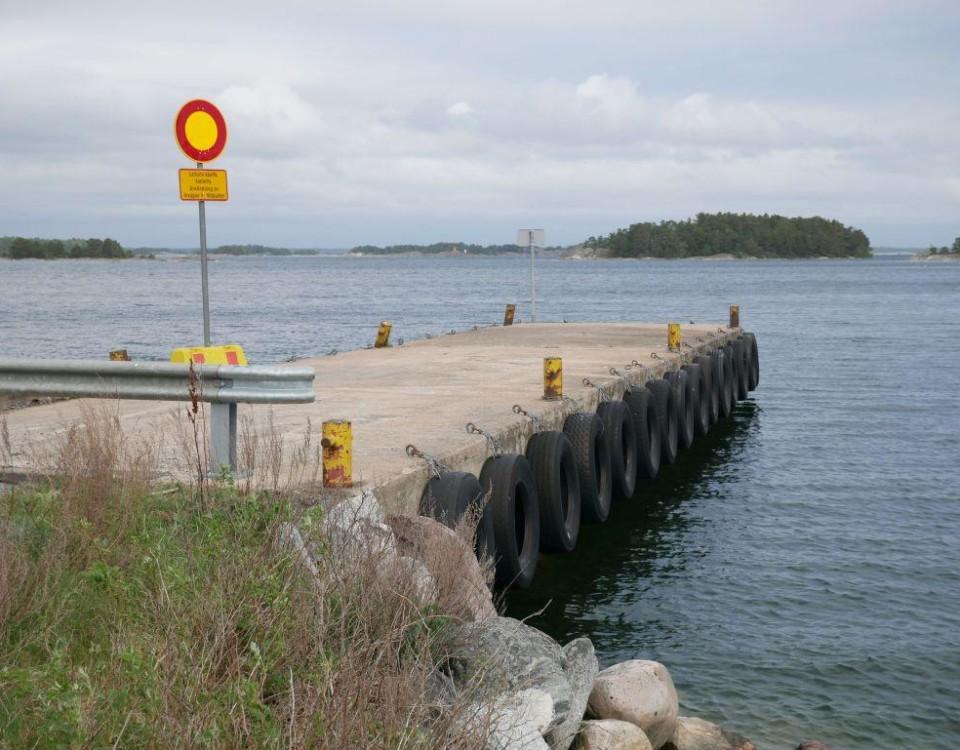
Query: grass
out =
(138, 615)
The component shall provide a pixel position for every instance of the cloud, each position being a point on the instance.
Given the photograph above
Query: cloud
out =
(404, 121)
(460, 109)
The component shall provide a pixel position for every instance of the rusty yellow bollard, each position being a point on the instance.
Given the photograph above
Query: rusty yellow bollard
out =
(119, 355)
(508, 315)
(734, 316)
(337, 444)
(674, 338)
(552, 378)
(383, 334)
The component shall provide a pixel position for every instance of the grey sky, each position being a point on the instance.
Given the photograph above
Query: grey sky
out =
(424, 120)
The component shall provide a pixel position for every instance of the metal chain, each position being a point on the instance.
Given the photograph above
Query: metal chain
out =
(571, 402)
(535, 420)
(492, 442)
(604, 396)
(434, 464)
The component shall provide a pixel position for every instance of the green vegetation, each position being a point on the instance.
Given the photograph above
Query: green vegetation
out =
(952, 250)
(142, 616)
(22, 247)
(258, 250)
(740, 235)
(441, 248)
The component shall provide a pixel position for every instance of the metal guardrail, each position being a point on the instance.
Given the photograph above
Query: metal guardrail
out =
(223, 386)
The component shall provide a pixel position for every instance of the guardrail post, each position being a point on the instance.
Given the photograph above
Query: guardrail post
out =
(223, 437)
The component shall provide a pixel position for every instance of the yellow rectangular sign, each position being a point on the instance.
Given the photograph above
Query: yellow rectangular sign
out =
(203, 185)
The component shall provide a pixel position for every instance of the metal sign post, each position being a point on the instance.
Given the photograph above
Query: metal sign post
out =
(532, 238)
(201, 133)
(204, 288)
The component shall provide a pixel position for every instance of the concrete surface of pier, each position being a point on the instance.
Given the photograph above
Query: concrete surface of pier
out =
(422, 393)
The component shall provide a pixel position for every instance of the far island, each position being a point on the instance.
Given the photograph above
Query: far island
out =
(733, 235)
(18, 248)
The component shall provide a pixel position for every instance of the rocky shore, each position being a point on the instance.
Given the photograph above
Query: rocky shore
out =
(528, 691)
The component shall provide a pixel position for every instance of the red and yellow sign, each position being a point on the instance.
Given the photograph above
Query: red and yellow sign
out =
(203, 185)
(200, 130)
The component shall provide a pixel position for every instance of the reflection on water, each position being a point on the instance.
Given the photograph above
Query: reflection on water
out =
(603, 589)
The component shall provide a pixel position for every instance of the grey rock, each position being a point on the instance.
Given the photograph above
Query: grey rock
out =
(515, 721)
(356, 526)
(611, 734)
(813, 745)
(640, 692)
(461, 585)
(580, 667)
(501, 656)
(697, 734)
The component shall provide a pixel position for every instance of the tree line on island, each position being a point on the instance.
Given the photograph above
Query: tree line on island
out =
(952, 250)
(441, 248)
(739, 235)
(23, 247)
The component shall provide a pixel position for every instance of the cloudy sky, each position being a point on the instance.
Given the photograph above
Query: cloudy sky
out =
(423, 120)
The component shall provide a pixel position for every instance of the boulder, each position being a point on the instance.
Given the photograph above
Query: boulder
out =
(501, 656)
(580, 667)
(515, 721)
(414, 577)
(461, 586)
(697, 734)
(357, 525)
(813, 745)
(611, 734)
(640, 692)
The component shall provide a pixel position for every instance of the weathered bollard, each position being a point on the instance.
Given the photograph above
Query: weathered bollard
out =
(119, 355)
(674, 338)
(552, 378)
(734, 316)
(383, 334)
(337, 444)
(508, 315)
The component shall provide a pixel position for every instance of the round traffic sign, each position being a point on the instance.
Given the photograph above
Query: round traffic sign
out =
(201, 130)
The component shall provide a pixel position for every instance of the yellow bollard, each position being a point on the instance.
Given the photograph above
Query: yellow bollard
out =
(119, 355)
(337, 444)
(508, 315)
(734, 316)
(552, 378)
(383, 334)
(673, 337)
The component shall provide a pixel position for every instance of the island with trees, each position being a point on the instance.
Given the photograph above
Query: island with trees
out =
(734, 235)
(443, 248)
(18, 248)
(952, 252)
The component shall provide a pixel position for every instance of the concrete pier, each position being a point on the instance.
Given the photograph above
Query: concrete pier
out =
(422, 393)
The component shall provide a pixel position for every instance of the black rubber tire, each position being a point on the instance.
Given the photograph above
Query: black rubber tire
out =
(754, 376)
(585, 431)
(715, 367)
(686, 415)
(647, 428)
(728, 395)
(666, 408)
(558, 490)
(701, 415)
(447, 497)
(742, 353)
(510, 485)
(622, 445)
